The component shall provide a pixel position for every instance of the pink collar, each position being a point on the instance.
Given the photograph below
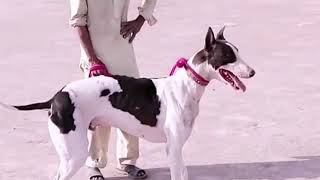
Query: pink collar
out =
(182, 62)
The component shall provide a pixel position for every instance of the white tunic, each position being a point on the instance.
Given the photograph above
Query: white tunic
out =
(103, 18)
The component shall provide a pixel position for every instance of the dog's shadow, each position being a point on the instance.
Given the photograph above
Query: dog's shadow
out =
(303, 167)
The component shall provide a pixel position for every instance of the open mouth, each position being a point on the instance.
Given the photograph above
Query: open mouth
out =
(232, 79)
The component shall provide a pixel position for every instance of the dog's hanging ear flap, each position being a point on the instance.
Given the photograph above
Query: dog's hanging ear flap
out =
(210, 39)
(220, 33)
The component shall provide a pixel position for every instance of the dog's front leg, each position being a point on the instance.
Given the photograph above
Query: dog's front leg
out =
(174, 153)
(176, 138)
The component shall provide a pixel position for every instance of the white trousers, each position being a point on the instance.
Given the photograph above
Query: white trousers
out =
(127, 147)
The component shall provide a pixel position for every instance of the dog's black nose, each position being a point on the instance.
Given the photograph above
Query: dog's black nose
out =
(252, 73)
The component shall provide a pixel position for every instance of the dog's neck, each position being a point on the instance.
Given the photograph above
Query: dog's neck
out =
(190, 87)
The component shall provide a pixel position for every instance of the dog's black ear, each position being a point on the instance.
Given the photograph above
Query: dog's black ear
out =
(220, 33)
(210, 40)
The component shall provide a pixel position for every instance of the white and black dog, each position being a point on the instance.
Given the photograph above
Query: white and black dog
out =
(159, 110)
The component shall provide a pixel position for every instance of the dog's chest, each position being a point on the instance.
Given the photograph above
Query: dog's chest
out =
(190, 112)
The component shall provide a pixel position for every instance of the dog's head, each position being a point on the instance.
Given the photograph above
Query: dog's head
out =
(223, 60)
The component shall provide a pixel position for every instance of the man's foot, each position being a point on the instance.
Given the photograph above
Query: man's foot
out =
(95, 174)
(133, 172)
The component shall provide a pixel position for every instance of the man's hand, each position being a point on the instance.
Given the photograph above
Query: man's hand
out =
(131, 28)
(95, 60)
(97, 67)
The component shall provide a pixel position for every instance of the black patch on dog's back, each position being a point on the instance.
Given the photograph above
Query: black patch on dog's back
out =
(105, 92)
(62, 112)
(138, 97)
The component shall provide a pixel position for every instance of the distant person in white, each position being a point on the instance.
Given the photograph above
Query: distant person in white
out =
(106, 39)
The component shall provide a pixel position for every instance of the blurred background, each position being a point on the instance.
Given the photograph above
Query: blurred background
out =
(270, 132)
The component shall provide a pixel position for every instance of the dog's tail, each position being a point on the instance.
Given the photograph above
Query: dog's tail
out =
(34, 106)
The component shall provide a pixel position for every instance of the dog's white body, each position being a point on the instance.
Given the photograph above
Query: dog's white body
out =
(179, 96)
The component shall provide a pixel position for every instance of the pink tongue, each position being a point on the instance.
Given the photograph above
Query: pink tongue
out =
(237, 83)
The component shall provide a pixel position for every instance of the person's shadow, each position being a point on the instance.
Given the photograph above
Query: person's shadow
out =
(303, 167)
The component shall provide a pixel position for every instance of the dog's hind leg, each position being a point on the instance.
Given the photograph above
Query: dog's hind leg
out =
(72, 149)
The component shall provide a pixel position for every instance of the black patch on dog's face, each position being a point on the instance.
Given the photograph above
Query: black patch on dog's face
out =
(138, 97)
(104, 92)
(62, 112)
(221, 54)
(217, 52)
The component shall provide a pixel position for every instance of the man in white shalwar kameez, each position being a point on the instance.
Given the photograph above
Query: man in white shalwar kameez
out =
(105, 38)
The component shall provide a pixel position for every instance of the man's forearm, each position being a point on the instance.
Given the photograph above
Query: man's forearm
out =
(85, 41)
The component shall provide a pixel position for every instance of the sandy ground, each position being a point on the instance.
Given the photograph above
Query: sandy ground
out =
(270, 132)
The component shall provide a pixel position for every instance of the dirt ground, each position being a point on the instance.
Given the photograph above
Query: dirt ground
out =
(270, 132)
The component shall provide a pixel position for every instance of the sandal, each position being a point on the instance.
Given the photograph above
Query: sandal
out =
(133, 172)
(95, 174)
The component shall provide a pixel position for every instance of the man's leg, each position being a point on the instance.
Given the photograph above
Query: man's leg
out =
(127, 148)
(98, 148)
(127, 154)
